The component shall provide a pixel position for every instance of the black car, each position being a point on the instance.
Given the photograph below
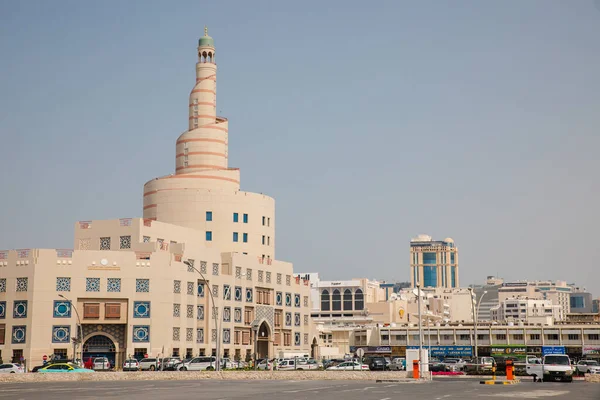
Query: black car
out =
(377, 364)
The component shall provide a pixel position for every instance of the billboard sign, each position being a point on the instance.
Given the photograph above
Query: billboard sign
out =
(553, 350)
(447, 351)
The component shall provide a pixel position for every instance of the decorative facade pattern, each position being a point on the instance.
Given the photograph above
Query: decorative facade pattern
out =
(200, 310)
(190, 266)
(297, 319)
(125, 242)
(297, 300)
(238, 272)
(288, 299)
(141, 333)
(141, 309)
(226, 292)
(215, 269)
(297, 338)
(113, 285)
(176, 286)
(201, 290)
(189, 311)
(61, 334)
(176, 310)
(85, 244)
(92, 284)
(189, 334)
(203, 267)
(19, 334)
(2, 285)
(288, 319)
(176, 334)
(265, 313)
(268, 277)
(63, 284)
(142, 285)
(190, 288)
(20, 309)
(22, 284)
(2, 309)
(200, 335)
(249, 295)
(215, 290)
(226, 336)
(279, 299)
(62, 309)
(226, 314)
(238, 293)
(104, 243)
(237, 315)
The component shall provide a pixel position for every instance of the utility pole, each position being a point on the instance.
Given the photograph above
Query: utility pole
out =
(420, 331)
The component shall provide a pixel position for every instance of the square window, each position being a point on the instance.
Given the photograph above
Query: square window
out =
(142, 285)
(200, 335)
(209, 236)
(235, 217)
(176, 310)
(141, 333)
(125, 242)
(245, 238)
(104, 243)
(22, 284)
(92, 284)
(215, 269)
(112, 310)
(235, 236)
(113, 285)
(91, 310)
(63, 284)
(248, 295)
(190, 288)
(238, 293)
(189, 311)
(245, 218)
(209, 216)
(141, 309)
(61, 334)
(176, 286)
(20, 309)
(146, 239)
(19, 334)
(200, 315)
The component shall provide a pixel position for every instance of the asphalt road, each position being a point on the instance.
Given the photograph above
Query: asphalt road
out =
(297, 390)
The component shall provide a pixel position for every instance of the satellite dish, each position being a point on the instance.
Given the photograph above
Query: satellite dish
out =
(393, 297)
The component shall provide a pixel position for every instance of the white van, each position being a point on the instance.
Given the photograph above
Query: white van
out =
(553, 367)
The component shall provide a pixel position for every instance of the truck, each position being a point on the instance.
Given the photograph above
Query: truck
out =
(553, 367)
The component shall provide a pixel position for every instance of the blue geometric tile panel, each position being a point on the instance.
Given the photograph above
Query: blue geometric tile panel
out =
(63, 284)
(249, 295)
(2, 285)
(2, 309)
(113, 285)
(61, 334)
(297, 300)
(279, 298)
(19, 334)
(20, 309)
(141, 309)
(297, 338)
(141, 333)
(62, 309)
(92, 284)
(142, 285)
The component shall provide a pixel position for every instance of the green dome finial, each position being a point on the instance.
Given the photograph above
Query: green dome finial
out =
(206, 40)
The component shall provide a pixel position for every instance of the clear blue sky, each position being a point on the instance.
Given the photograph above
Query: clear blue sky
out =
(369, 122)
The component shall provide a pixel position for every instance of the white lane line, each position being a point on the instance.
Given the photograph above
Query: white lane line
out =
(386, 398)
(369, 387)
(391, 385)
(309, 390)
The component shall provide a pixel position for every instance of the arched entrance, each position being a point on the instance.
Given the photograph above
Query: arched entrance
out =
(263, 339)
(100, 346)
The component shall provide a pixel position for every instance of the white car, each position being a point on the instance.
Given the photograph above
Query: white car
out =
(264, 365)
(199, 364)
(101, 363)
(349, 366)
(588, 367)
(554, 367)
(454, 364)
(11, 369)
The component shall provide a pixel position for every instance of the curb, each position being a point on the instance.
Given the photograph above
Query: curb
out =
(500, 382)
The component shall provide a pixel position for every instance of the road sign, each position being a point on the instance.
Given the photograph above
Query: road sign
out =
(45, 358)
(146, 355)
(360, 352)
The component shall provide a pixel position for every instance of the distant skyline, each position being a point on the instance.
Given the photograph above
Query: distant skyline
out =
(369, 124)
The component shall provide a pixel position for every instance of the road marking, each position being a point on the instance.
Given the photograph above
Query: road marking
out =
(309, 390)
(535, 394)
(386, 398)
(391, 385)
(369, 387)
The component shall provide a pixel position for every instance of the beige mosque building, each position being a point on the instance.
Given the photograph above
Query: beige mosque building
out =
(146, 286)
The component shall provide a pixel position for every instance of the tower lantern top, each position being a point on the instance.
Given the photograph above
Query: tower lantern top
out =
(206, 41)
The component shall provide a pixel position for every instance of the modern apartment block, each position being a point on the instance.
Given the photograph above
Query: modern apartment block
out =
(520, 309)
(136, 286)
(556, 291)
(433, 263)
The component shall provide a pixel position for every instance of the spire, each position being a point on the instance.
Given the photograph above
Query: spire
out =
(205, 30)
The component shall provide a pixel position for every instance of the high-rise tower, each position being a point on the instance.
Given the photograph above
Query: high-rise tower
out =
(204, 193)
(433, 263)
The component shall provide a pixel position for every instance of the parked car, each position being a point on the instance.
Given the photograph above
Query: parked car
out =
(264, 364)
(436, 365)
(480, 365)
(149, 364)
(64, 367)
(101, 363)
(398, 364)
(377, 364)
(555, 367)
(227, 363)
(309, 364)
(454, 364)
(169, 363)
(131, 365)
(199, 364)
(349, 366)
(588, 367)
(11, 368)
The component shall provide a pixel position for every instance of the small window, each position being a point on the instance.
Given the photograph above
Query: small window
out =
(235, 236)
(236, 217)
(245, 218)
(264, 220)
(209, 215)
(268, 240)
(209, 236)
(264, 239)
(268, 221)
(245, 238)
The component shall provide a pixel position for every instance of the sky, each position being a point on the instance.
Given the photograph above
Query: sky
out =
(368, 122)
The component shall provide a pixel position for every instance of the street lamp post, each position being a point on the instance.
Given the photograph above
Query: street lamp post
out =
(80, 329)
(475, 310)
(215, 316)
(420, 330)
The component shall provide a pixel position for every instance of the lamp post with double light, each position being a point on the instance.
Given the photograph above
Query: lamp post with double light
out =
(214, 313)
(475, 310)
(80, 329)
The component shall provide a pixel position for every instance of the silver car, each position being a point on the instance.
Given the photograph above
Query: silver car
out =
(149, 364)
(199, 364)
